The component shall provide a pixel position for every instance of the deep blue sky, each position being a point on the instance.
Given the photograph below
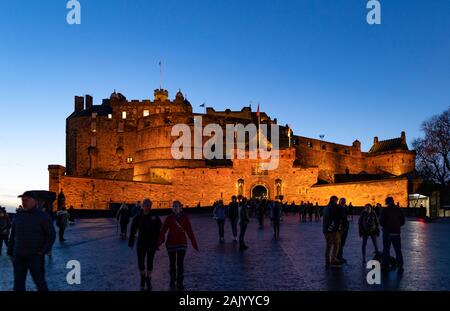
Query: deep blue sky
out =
(314, 64)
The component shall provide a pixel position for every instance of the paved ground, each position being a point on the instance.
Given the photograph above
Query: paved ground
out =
(295, 262)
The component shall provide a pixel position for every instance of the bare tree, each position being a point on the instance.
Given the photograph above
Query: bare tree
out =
(433, 151)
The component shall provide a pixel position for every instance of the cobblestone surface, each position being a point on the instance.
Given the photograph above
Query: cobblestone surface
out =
(295, 262)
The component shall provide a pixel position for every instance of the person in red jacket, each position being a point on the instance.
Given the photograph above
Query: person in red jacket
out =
(177, 226)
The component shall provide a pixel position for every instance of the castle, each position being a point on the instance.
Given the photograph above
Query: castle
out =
(120, 151)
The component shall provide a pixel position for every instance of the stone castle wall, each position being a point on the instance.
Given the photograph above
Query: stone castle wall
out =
(206, 185)
(361, 193)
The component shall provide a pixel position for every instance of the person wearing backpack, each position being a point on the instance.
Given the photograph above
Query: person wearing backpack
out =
(369, 226)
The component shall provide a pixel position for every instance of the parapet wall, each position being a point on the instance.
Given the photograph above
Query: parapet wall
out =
(361, 193)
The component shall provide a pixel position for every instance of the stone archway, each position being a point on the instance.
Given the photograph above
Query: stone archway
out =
(260, 192)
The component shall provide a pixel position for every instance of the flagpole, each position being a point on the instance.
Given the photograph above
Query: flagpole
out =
(160, 75)
(259, 125)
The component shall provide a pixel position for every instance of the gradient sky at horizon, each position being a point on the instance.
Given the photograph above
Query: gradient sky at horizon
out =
(316, 65)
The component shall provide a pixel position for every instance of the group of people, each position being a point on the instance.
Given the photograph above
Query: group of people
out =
(31, 235)
(307, 210)
(152, 233)
(238, 211)
(336, 226)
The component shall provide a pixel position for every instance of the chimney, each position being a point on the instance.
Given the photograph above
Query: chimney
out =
(375, 140)
(79, 103)
(89, 101)
(403, 136)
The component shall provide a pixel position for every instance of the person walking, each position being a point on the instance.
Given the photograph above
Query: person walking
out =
(350, 211)
(391, 220)
(300, 211)
(177, 226)
(5, 225)
(276, 216)
(233, 215)
(378, 210)
(220, 215)
(261, 213)
(317, 212)
(137, 209)
(343, 228)
(32, 236)
(330, 229)
(305, 211)
(243, 223)
(62, 221)
(71, 212)
(310, 211)
(148, 227)
(369, 227)
(123, 217)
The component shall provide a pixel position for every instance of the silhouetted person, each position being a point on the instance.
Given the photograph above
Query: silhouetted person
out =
(344, 227)
(148, 227)
(123, 217)
(310, 211)
(276, 216)
(243, 223)
(305, 211)
(378, 210)
(71, 212)
(5, 225)
(32, 236)
(330, 229)
(261, 213)
(137, 209)
(177, 226)
(391, 220)
(233, 215)
(350, 211)
(62, 221)
(220, 215)
(369, 228)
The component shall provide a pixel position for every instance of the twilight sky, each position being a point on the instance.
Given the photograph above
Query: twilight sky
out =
(314, 64)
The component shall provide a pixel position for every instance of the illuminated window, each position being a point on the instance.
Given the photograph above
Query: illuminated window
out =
(146, 113)
(124, 114)
(129, 160)
(109, 115)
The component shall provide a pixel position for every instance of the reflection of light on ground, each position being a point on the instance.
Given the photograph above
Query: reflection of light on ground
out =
(419, 234)
(419, 243)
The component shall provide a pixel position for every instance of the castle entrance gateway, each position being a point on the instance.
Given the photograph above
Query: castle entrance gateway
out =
(260, 192)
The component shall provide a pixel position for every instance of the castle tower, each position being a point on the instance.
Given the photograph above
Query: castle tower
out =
(161, 95)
